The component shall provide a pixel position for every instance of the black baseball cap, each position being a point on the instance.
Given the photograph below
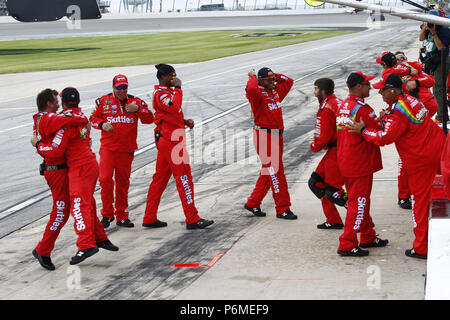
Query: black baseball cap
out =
(387, 58)
(357, 77)
(70, 96)
(164, 70)
(265, 73)
(391, 81)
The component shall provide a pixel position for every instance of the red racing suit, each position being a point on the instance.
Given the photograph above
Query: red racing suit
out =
(424, 83)
(423, 93)
(268, 141)
(117, 149)
(445, 165)
(83, 174)
(45, 126)
(172, 159)
(419, 142)
(325, 137)
(357, 160)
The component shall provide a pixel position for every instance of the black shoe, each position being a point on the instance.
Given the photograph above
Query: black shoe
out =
(355, 252)
(157, 224)
(375, 243)
(405, 203)
(256, 211)
(45, 262)
(106, 221)
(200, 224)
(288, 214)
(83, 254)
(125, 223)
(326, 225)
(107, 245)
(413, 254)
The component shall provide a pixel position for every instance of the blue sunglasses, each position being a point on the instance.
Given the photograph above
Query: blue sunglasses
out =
(122, 87)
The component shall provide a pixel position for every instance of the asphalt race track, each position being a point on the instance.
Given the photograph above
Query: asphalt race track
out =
(214, 97)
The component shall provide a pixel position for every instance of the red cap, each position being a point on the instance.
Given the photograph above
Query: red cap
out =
(390, 81)
(379, 58)
(119, 80)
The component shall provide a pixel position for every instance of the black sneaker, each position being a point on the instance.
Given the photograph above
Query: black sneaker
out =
(256, 211)
(200, 224)
(125, 223)
(326, 225)
(375, 243)
(106, 221)
(413, 254)
(355, 252)
(45, 262)
(83, 254)
(405, 203)
(156, 224)
(288, 214)
(107, 245)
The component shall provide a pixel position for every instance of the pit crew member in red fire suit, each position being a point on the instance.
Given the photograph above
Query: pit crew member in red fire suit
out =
(357, 160)
(326, 181)
(417, 84)
(172, 158)
(116, 115)
(265, 94)
(46, 124)
(74, 144)
(419, 142)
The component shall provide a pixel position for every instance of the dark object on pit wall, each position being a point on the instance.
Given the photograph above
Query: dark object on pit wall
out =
(51, 10)
(212, 7)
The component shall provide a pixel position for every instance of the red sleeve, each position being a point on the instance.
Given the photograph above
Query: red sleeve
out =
(369, 117)
(53, 122)
(426, 80)
(324, 129)
(394, 127)
(144, 113)
(57, 147)
(252, 92)
(96, 117)
(167, 102)
(284, 84)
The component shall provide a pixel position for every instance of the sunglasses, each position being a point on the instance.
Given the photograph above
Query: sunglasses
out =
(122, 87)
(270, 79)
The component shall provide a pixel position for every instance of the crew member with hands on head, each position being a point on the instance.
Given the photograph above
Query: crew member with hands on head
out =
(116, 115)
(265, 93)
(172, 158)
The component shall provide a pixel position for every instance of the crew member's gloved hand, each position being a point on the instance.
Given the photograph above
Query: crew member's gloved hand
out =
(189, 123)
(34, 140)
(131, 107)
(108, 127)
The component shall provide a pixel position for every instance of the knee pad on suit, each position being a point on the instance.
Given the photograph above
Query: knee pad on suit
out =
(317, 185)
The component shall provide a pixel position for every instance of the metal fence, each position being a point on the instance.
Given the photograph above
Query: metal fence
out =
(203, 5)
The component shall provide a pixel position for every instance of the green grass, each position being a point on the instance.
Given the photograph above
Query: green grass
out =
(172, 47)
